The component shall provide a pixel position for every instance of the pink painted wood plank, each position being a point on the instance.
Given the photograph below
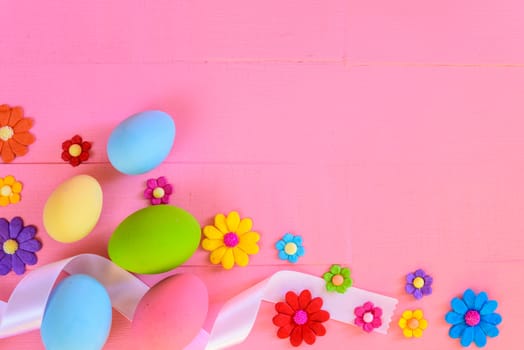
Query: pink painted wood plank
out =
(441, 32)
(137, 31)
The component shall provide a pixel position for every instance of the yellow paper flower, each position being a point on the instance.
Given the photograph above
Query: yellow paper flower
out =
(230, 240)
(9, 190)
(413, 323)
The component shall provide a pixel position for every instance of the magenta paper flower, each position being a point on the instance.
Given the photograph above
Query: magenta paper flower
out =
(158, 191)
(18, 246)
(368, 316)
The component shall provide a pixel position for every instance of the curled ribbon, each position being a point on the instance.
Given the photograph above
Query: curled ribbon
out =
(25, 309)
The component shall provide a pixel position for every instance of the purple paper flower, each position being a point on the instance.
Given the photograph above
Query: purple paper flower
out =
(18, 246)
(158, 191)
(419, 284)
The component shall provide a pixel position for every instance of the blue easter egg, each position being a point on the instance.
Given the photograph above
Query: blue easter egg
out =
(78, 315)
(141, 142)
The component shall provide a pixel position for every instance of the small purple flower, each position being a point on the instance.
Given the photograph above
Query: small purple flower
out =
(419, 284)
(18, 246)
(158, 191)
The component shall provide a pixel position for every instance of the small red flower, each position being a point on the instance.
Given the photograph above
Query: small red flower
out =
(300, 318)
(368, 316)
(75, 151)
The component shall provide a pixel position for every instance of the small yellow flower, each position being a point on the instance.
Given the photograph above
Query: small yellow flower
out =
(413, 323)
(9, 190)
(230, 240)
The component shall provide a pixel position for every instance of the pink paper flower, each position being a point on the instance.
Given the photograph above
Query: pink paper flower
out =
(158, 191)
(368, 317)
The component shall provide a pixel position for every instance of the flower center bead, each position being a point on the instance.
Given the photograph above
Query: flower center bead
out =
(10, 246)
(6, 191)
(472, 318)
(75, 150)
(413, 323)
(368, 317)
(158, 192)
(337, 280)
(290, 248)
(230, 239)
(418, 282)
(6, 132)
(300, 317)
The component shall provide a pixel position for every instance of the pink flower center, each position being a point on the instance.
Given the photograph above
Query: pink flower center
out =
(300, 317)
(472, 318)
(368, 317)
(230, 239)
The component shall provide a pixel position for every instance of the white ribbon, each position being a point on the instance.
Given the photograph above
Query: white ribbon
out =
(26, 306)
(237, 317)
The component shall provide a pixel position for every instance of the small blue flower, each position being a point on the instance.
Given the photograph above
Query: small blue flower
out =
(290, 248)
(473, 318)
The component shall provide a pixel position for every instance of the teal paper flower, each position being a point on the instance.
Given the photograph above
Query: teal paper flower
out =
(473, 318)
(290, 248)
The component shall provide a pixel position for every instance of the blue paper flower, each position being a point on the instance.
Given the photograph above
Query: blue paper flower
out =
(473, 318)
(290, 248)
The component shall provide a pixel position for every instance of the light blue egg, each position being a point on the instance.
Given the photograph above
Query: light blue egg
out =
(141, 142)
(78, 315)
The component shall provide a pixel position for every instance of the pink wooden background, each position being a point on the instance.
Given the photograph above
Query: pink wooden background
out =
(389, 134)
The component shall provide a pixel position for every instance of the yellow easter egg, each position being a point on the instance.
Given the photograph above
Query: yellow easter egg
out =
(73, 209)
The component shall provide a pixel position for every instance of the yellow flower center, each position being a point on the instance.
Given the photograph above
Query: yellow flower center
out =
(10, 246)
(6, 132)
(418, 282)
(413, 323)
(158, 192)
(290, 248)
(337, 280)
(6, 191)
(75, 150)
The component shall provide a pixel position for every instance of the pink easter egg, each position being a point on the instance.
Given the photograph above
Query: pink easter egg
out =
(171, 313)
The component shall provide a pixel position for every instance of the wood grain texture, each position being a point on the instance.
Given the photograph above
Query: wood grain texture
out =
(387, 134)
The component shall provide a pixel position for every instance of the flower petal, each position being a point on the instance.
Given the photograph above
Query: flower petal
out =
(314, 305)
(296, 336)
(5, 264)
(467, 336)
(402, 322)
(5, 111)
(454, 318)
(248, 248)
(308, 335)
(426, 290)
(15, 226)
(335, 269)
(7, 154)
(168, 189)
(418, 314)
(24, 138)
(285, 331)
(320, 316)
(14, 198)
(417, 293)
(17, 148)
(489, 329)
(31, 245)
(228, 260)
(469, 298)
(220, 223)
(23, 125)
(212, 244)
(304, 298)
(284, 308)
(216, 255)
(479, 337)
(494, 319)
(28, 258)
(408, 333)
(417, 332)
(282, 255)
(368, 327)
(233, 220)
(420, 273)
(4, 229)
(410, 289)
(288, 237)
(281, 320)
(459, 306)
(482, 297)
(161, 181)
(241, 258)
(408, 314)
(17, 187)
(488, 307)
(212, 232)
(423, 324)
(4, 201)
(292, 300)
(18, 265)
(377, 312)
(17, 113)
(456, 331)
(410, 277)
(151, 183)
(317, 327)
(244, 226)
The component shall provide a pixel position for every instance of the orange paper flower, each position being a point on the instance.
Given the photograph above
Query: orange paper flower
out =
(14, 133)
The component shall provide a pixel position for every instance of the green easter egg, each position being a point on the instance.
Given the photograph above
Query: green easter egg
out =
(155, 239)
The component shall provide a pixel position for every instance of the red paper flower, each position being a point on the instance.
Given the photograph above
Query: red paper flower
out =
(300, 318)
(75, 151)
